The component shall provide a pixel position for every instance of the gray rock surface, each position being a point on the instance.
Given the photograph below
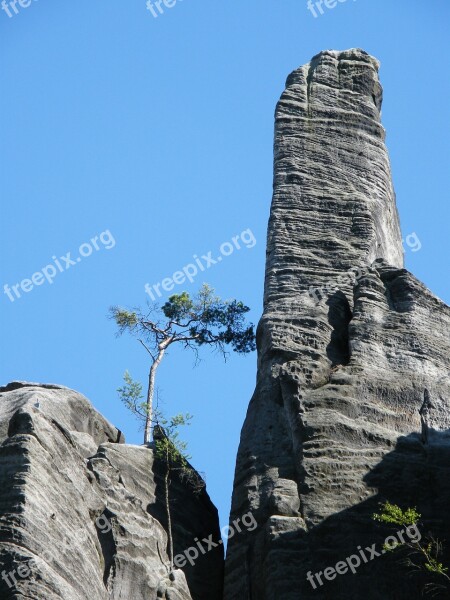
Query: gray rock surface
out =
(349, 346)
(80, 511)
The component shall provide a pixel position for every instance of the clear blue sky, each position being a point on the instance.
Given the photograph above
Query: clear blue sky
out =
(159, 130)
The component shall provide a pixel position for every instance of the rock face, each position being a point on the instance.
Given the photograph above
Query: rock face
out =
(350, 348)
(82, 513)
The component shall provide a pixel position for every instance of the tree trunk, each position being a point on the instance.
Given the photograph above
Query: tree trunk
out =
(151, 392)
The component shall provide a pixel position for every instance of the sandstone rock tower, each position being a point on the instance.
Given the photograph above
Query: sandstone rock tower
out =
(348, 343)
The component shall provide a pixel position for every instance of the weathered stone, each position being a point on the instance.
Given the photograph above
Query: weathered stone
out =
(77, 508)
(344, 356)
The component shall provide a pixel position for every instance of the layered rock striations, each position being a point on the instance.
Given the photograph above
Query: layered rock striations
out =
(82, 514)
(350, 346)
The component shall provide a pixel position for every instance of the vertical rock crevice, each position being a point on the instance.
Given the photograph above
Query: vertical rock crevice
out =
(339, 317)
